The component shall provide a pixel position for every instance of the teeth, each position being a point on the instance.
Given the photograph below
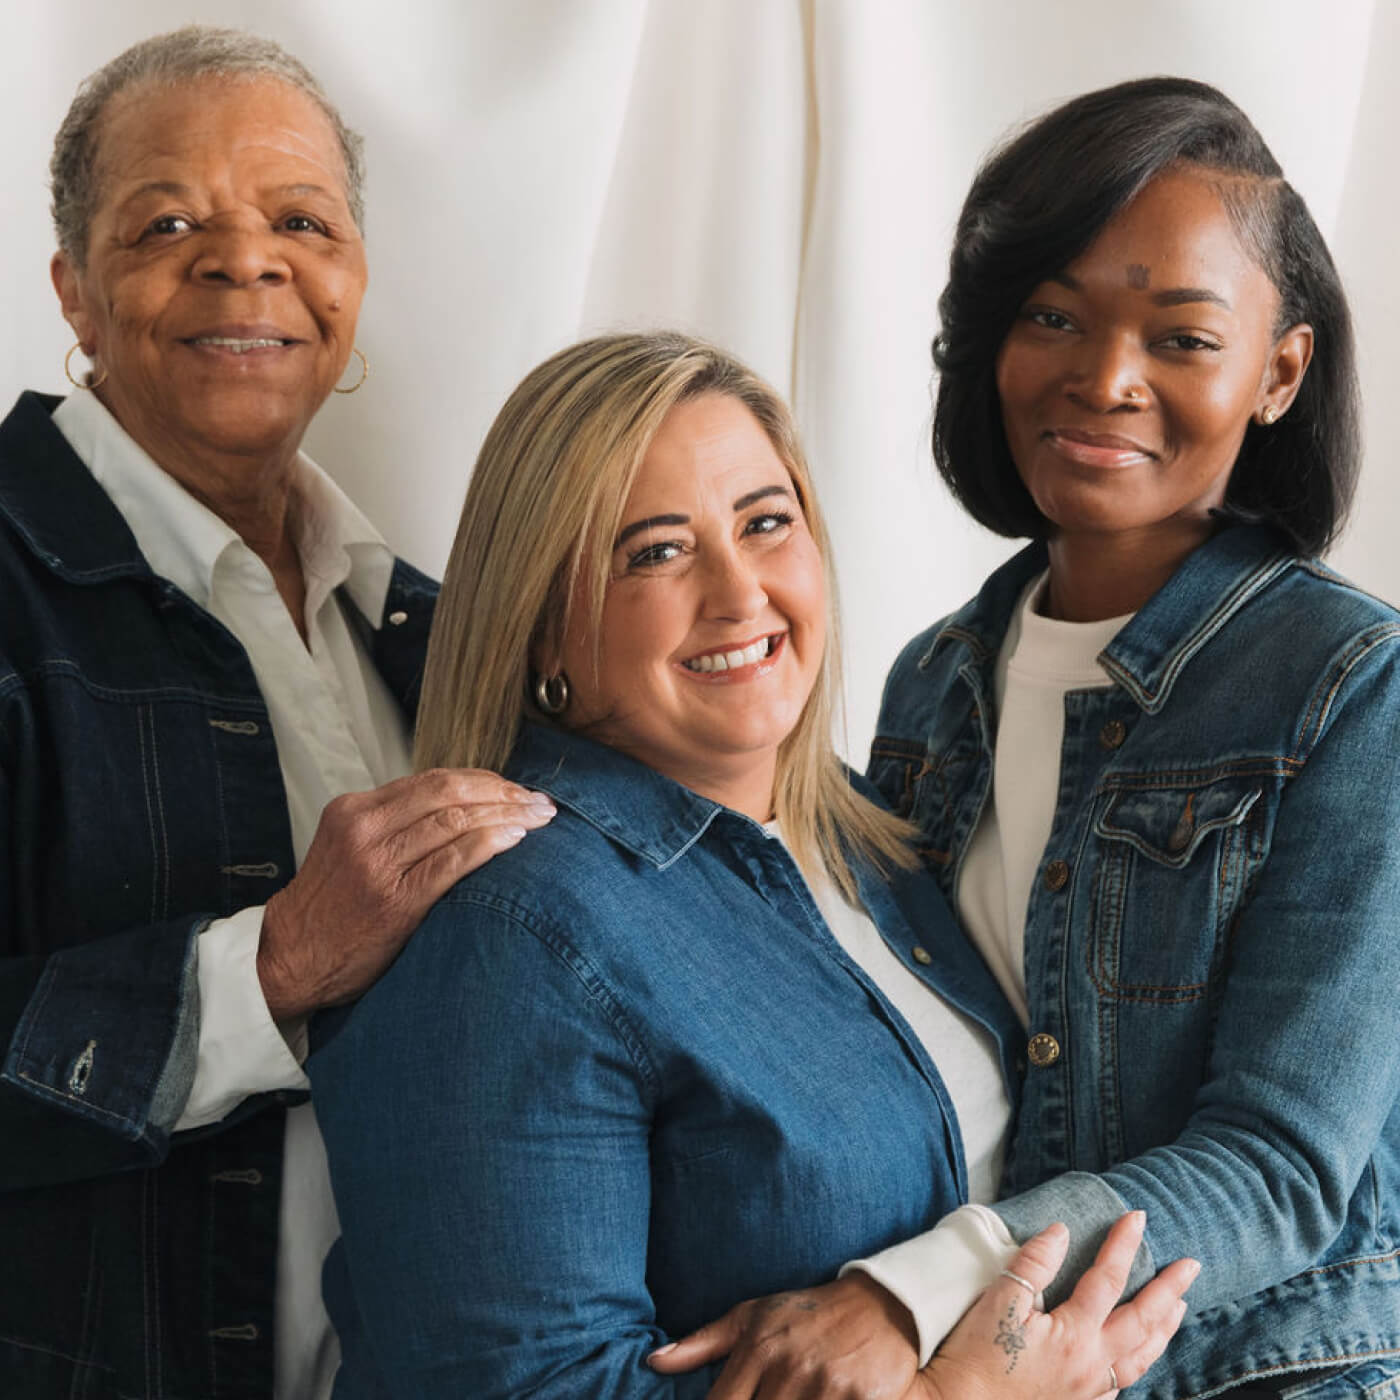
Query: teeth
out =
(731, 660)
(239, 347)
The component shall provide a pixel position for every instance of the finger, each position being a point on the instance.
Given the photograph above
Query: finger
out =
(1036, 1262)
(1133, 1365)
(444, 825)
(404, 800)
(1099, 1290)
(708, 1343)
(438, 871)
(1145, 1325)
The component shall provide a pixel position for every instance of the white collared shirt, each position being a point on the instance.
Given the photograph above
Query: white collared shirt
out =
(337, 730)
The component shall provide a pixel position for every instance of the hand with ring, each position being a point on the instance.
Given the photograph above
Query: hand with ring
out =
(1007, 1348)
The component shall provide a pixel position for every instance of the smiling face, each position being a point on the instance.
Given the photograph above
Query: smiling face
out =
(1128, 380)
(224, 271)
(714, 620)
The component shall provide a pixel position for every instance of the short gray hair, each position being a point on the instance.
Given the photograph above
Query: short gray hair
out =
(182, 56)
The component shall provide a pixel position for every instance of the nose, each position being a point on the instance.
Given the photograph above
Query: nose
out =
(240, 257)
(734, 591)
(1108, 374)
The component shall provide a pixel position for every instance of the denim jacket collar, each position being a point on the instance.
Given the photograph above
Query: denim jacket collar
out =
(1148, 656)
(639, 808)
(55, 507)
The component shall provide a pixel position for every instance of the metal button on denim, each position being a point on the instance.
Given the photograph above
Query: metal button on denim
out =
(921, 955)
(397, 619)
(1113, 734)
(1043, 1050)
(1056, 875)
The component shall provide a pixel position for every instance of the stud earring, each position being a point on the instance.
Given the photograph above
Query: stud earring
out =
(1269, 416)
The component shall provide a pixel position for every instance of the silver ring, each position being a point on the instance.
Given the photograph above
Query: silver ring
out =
(1113, 1378)
(1025, 1283)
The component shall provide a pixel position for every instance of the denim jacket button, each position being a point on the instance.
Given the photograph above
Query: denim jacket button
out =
(397, 618)
(1056, 876)
(1113, 734)
(921, 955)
(1043, 1050)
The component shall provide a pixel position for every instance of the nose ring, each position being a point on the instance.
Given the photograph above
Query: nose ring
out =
(1131, 394)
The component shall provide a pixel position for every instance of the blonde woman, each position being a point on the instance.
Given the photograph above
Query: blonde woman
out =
(683, 1046)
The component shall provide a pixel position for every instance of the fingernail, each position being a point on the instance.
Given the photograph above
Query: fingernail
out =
(661, 1351)
(513, 833)
(1139, 1218)
(1193, 1268)
(541, 800)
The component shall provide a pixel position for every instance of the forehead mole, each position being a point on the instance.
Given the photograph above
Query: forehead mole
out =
(1139, 278)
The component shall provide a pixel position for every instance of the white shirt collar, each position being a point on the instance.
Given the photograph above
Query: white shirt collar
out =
(184, 541)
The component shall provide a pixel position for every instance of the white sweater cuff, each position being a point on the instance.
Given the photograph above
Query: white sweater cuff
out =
(242, 1050)
(940, 1274)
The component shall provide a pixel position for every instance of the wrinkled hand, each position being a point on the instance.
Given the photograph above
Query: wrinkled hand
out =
(377, 864)
(844, 1340)
(1005, 1348)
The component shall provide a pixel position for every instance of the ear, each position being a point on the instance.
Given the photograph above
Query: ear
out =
(1283, 376)
(67, 282)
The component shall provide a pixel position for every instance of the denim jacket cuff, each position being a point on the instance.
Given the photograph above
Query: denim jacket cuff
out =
(1088, 1206)
(78, 1048)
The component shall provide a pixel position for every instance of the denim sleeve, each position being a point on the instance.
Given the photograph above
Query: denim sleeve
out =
(98, 1041)
(486, 1111)
(1305, 1066)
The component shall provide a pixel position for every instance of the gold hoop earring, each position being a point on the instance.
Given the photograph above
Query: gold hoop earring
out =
(1269, 415)
(88, 383)
(364, 372)
(552, 694)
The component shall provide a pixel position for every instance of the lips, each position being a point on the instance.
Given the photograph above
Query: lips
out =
(735, 658)
(1097, 449)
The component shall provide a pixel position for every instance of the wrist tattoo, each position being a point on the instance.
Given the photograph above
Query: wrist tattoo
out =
(1011, 1337)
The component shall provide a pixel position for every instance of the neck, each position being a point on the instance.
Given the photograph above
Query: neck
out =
(1097, 576)
(250, 492)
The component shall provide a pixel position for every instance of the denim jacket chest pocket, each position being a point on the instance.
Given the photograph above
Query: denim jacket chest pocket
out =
(1174, 856)
(938, 784)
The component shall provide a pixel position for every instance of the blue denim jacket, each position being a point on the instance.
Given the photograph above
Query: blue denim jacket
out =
(140, 795)
(1213, 948)
(622, 1078)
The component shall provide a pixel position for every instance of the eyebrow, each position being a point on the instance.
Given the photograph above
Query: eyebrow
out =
(748, 499)
(1171, 296)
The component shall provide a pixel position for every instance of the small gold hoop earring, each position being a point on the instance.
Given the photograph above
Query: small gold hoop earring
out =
(1269, 416)
(88, 383)
(364, 372)
(552, 694)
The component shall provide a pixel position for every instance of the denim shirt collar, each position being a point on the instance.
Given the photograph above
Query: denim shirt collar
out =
(643, 811)
(1149, 654)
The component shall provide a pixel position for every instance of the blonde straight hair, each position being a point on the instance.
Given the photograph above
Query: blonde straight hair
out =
(544, 505)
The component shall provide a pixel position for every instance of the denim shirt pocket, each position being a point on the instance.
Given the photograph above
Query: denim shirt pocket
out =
(1174, 859)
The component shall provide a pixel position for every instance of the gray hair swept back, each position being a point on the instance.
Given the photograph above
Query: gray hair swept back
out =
(183, 55)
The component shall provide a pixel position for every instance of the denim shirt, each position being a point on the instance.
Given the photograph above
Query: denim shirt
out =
(1212, 945)
(622, 1078)
(140, 796)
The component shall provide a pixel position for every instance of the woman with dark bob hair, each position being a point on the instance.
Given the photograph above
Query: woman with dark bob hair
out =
(1153, 760)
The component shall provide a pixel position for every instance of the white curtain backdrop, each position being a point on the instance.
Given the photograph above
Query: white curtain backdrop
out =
(779, 175)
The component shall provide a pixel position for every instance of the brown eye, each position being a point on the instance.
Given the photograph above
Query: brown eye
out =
(302, 223)
(168, 224)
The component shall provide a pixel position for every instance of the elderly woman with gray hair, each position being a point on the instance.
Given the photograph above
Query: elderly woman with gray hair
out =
(208, 668)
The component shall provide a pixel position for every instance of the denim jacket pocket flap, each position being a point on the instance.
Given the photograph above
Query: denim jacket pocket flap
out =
(1168, 824)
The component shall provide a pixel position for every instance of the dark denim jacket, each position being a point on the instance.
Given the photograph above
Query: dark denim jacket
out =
(1213, 947)
(621, 1078)
(140, 795)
